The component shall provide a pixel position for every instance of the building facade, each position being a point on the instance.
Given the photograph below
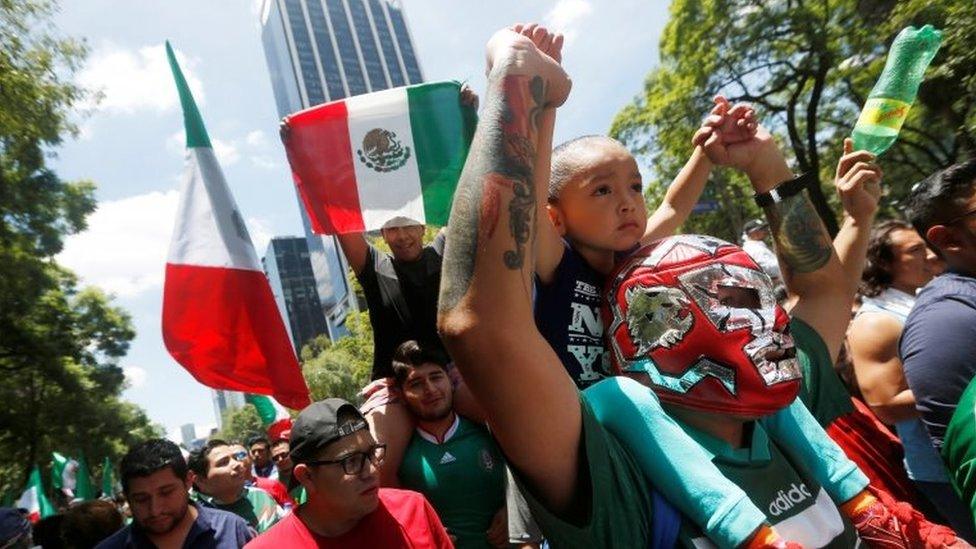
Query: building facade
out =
(224, 401)
(289, 271)
(323, 50)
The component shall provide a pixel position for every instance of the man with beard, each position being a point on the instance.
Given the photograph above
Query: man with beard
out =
(451, 460)
(221, 482)
(156, 481)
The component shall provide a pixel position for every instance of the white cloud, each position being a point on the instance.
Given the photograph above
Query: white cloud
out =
(125, 247)
(565, 15)
(227, 151)
(132, 81)
(256, 138)
(261, 234)
(135, 376)
(263, 162)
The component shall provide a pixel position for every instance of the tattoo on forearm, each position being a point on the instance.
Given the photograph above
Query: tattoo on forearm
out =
(499, 169)
(801, 240)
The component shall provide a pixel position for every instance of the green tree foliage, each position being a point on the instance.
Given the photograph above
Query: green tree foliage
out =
(340, 368)
(59, 344)
(807, 66)
(239, 424)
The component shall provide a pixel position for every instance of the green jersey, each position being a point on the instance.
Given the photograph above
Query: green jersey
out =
(463, 477)
(793, 502)
(822, 391)
(959, 447)
(255, 506)
(616, 503)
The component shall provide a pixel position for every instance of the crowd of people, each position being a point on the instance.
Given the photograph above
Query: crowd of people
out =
(559, 368)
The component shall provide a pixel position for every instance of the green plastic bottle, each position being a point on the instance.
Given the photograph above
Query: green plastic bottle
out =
(892, 97)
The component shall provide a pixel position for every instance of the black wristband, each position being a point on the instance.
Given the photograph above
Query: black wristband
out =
(785, 189)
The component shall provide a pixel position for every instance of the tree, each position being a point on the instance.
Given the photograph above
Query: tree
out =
(340, 368)
(239, 424)
(59, 344)
(807, 65)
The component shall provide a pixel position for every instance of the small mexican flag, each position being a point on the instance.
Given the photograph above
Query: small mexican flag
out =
(33, 498)
(362, 161)
(108, 479)
(274, 418)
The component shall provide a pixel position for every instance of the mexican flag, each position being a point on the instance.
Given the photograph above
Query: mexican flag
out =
(33, 498)
(71, 477)
(108, 479)
(362, 161)
(220, 320)
(274, 418)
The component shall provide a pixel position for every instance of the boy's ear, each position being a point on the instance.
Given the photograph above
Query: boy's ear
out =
(556, 216)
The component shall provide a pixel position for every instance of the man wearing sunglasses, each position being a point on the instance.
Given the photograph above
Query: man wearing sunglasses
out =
(220, 478)
(274, 487)
(938, 344)
(336, 460)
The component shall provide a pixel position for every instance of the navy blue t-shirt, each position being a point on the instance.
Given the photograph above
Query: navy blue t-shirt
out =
(213, 529)
(938, 349)
(567, 313)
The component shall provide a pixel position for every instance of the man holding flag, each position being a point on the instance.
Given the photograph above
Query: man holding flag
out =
(400, 287)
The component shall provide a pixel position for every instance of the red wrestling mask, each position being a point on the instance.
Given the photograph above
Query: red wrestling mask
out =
(699, 317)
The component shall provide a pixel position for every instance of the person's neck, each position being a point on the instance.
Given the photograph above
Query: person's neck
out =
(176, 536)
(325, 520)
(909, 289)
(602, 261)
(229, 496)
(723, 427)
(438, 427)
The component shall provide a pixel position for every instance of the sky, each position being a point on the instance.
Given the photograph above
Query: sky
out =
(131, 141)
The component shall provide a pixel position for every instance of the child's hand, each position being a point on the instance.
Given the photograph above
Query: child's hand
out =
(731, 136)
(858, 182)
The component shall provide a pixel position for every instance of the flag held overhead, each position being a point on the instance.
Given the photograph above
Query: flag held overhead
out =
(361, 161)
(220, 321)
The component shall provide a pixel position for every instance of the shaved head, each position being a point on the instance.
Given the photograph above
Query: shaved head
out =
(566, 159)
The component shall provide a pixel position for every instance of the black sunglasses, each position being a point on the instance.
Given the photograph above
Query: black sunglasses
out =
(353, 463)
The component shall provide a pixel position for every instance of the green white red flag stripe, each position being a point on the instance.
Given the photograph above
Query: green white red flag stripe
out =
(220, 321)
(33, 498)
(364, 160)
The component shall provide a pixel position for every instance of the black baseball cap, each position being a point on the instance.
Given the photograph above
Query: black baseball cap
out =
(754, 225)
(318, 425)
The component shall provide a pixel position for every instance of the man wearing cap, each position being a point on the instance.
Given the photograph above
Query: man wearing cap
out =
(754, 235)
(336, 461)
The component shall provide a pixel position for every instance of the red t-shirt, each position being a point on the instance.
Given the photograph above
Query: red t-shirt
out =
(402, 519)
(276, 489)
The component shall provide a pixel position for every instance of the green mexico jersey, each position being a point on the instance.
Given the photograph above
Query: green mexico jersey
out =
(959, 447)
(255, 506)
(793, 502)
(462, 476)
(822, 390)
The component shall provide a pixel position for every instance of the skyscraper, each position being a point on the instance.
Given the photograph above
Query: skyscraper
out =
(292, 282)
(323, 50)
(225, 400)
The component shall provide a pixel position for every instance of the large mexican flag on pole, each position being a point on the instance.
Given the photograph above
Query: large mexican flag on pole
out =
(220, 320)
(33, 498)
(362, 161)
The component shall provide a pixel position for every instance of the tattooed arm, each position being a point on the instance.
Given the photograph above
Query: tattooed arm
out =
(810, 267)
(485, 310)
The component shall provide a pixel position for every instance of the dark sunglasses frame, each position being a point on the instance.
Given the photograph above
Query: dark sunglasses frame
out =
(376, 454)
